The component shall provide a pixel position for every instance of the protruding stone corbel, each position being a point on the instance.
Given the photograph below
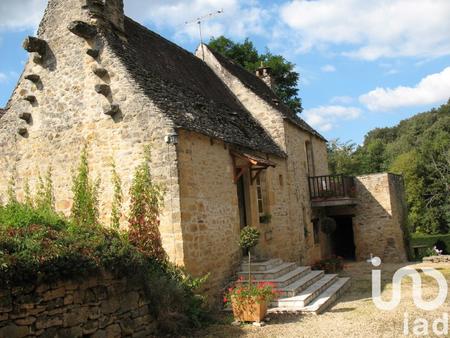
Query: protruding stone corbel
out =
(82, 29)
(33, 78)
(35, 45)
(22, 131)
(94, 3)
(93, 53)
(111, 110)
(25, 116)
(99, 71)
(103, 89)
(30, 98)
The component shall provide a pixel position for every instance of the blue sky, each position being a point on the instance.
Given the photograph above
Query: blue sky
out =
(363, 64)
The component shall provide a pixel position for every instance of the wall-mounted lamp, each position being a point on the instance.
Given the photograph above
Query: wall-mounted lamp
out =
(171, 138)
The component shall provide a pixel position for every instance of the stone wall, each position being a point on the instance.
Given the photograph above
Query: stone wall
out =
(98, 307)
(210, 212)
(287, 233)
(68, 113)
(300, 211)
(379, 219)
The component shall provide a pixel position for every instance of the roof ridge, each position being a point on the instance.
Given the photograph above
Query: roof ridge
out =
(285, 111)
(186, 90)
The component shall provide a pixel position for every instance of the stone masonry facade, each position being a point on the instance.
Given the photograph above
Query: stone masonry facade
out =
(98, 79)
(379, 221)
(98, 307)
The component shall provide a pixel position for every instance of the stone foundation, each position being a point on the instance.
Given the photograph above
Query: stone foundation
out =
(97, 307)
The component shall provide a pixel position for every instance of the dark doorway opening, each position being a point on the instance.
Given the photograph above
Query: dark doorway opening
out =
(241, 202)
(342, 240)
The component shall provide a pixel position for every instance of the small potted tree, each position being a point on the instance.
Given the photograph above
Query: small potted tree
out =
(249, 300)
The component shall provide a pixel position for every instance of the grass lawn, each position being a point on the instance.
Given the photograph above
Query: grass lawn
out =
(354, 315)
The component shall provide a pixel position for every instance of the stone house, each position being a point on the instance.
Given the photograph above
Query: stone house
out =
(227, 150)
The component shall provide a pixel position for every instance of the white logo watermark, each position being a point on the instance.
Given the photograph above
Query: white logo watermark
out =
(420, 325)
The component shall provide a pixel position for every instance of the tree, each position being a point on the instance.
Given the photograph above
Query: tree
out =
(341, 159)
(417, 148)
(245, 54)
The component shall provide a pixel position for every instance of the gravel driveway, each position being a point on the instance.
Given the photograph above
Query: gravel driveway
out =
(354, 315)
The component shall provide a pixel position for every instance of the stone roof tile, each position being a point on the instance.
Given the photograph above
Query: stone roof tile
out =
(187, 90)
(260, 88)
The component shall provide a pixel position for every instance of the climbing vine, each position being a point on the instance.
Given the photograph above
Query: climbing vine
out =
(85, 195)
(146, 203)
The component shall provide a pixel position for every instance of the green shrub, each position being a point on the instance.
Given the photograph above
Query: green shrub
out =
(17, 215)
(249, 237)
(40, 246)
(428, 242)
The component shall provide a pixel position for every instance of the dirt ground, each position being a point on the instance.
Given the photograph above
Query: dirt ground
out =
(354, 315)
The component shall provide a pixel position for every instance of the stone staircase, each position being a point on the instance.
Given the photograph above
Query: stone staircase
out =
(301, 289)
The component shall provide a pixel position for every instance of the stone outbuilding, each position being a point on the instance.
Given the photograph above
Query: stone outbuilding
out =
(228, 151)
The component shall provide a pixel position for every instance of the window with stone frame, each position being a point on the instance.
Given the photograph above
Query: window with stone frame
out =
(309, 158)
(260, 194)
(316, 230)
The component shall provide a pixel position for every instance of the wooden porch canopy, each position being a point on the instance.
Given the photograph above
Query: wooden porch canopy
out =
(244, 161)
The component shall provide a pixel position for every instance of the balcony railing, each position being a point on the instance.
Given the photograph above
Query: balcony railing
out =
(331, 187)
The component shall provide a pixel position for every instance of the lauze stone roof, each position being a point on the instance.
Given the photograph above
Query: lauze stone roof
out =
(187, 90)
(261, 89)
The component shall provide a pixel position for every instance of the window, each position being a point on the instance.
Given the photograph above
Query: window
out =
(316, 228)
(309, 158)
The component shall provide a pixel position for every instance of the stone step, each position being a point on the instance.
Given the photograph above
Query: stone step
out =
(286, 279)
(275, 272)
(261, 266)
(328, 297)
(300, 284)
(306, 296)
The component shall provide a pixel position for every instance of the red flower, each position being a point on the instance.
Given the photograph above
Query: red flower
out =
(225, 299)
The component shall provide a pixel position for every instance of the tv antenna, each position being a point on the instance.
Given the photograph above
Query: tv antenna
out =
(199, 21)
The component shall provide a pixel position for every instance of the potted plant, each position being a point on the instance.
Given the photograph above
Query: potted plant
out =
(249, 300)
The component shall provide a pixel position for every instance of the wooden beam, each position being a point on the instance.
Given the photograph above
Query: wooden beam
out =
(258, 172)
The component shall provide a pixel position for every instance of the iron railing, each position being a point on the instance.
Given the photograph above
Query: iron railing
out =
(331, 187)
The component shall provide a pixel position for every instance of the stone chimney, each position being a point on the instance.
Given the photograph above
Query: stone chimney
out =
(264, 73)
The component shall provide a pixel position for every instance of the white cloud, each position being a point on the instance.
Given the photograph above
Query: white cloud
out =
(341, 99)
(371, 29)
(3, 77)
(326, 118)
(239, 18)
(328, 69)
(432, 89)
(23, 14)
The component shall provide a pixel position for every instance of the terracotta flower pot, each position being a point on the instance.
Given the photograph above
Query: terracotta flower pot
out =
(251, 311)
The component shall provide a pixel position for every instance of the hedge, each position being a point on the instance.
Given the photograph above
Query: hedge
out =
(429, 240)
